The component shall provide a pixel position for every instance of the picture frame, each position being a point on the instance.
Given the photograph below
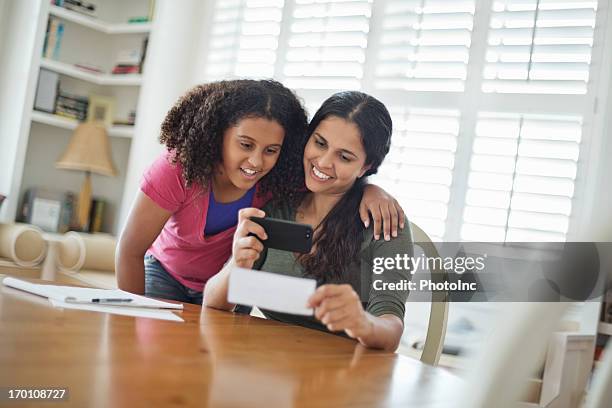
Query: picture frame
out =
(101, 109)
(46, 213)
(47, 209)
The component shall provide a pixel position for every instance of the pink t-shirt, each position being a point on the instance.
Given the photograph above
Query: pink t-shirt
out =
(181, 247)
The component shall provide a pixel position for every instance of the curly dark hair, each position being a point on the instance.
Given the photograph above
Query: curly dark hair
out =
(339, 237)
(193, 130)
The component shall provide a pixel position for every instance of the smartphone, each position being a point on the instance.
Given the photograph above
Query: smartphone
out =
(286, 235)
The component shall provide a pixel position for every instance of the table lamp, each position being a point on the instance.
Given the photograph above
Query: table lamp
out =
(89, 151)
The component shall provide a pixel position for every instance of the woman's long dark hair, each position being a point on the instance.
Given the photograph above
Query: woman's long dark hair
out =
(340, 235)
(193, 130)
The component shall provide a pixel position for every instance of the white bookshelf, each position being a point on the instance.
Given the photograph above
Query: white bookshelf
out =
(94, 78)
(70, 124)
(42, 137)
(99, 25)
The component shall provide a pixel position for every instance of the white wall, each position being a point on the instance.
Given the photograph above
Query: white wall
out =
(3, 27)
(600, 216)
(597, 210)
(22, 38)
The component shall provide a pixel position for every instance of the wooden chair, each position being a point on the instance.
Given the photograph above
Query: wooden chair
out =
(438, 316)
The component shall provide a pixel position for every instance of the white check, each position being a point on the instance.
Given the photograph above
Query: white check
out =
(279, 293)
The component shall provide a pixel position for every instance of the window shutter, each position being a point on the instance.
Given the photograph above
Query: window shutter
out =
(539, 46)
(522, 176)
(244, 39)
(418, 170)
(327, 44)
(425, 45)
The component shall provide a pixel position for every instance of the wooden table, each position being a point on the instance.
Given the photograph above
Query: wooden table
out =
(214, 358)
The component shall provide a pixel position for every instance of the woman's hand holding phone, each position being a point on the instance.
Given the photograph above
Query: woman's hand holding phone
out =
(246, 248)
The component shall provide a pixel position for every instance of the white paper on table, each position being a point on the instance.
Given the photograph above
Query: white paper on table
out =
(124, 311)
(279, 293)
(70, 294)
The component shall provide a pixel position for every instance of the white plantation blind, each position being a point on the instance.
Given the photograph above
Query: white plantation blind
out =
(418, 170)
(522, 175)
(244, 38)
(540, 46)
(327, 44)
(424, 45)
(491, 99)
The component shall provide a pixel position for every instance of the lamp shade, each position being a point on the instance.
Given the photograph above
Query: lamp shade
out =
(88, 150)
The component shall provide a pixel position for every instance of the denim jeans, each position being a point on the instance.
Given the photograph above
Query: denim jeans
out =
(160, 284)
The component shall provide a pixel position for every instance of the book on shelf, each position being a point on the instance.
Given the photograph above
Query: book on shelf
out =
(126, 69)
(71, 106)
(53, 38)
(46, 91)
(70, 114)
(96, 216)
(128, 56)
(130, 61)
(82, 7)
(138, 20)
(94, 69)
(72, 102)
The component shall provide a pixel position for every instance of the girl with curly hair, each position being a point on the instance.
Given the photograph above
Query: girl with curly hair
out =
(349, 137)
(229, 145)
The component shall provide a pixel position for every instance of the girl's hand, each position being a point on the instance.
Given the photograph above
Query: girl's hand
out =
(339, 308)
(246, 248)
(383, 208)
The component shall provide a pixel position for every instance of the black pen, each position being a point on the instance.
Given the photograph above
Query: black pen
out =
(111, 300)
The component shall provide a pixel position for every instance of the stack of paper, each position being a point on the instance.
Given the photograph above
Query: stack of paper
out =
(100, 300)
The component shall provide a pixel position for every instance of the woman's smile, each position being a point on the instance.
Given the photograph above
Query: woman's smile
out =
(320, 175)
